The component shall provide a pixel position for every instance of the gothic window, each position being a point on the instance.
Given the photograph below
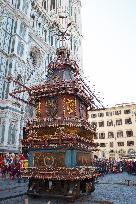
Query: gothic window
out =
(13, 2)
(75, 46)
(45, 4)
(22, 31)
(12, 133)
(33, 58)
(71, 43)
(18, 4)
(51, 40)
(2, 129)
(6, 46)
(15, 27)
(52, 5)
(45, 35)
(25, 6)
(12, 45)
(71, 11)
(20, 49)
(48, 58)
(9, 25)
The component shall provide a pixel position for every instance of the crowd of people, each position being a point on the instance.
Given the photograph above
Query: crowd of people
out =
(106, 166)
(11, 164)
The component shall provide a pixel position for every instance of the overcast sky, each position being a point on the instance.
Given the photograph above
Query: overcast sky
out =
(109, 48)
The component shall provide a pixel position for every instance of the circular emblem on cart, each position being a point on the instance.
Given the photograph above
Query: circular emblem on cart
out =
(49, 161)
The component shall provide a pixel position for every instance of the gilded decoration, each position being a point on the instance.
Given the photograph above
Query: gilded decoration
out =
(51, 107)
(56, 78)
(38, 109)
(69, 106)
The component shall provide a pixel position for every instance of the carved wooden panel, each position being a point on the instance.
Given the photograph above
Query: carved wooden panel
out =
(48, 159)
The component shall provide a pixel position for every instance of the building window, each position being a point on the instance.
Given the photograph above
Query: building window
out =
(96, 136)
(93, 115)
(111, 144)
(118, 112)
(108, 113)
(102, 135)
(128, 111)
(129, 133)
(94, 124)
(130, 143)
(110, 134)
(120, 144)
(122, 151)
(119, 122)
(102, 145)
(128, 121)
(100, 114)
(101, 124)
(119, 134)
(110, 123)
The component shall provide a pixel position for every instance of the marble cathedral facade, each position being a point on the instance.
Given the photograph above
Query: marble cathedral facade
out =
(27, 45)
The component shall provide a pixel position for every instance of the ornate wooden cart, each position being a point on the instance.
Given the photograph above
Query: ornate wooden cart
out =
(59, 140)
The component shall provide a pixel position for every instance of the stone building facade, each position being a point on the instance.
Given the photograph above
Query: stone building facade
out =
(116, 131)
(27, 45)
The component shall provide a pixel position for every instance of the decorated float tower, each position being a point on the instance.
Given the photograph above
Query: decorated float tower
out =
(59, 140)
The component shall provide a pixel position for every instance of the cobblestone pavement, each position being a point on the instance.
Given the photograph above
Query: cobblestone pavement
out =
(111, 188)
(9, 188)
